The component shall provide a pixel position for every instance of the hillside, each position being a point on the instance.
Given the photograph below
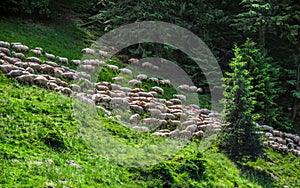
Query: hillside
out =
(50, 135)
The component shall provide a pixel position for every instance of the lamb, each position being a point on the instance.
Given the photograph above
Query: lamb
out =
(135, 82)
(21, 47)
(5, 50)
(18, 55)
(126, 71)
(141, 77)
(62, 59)
(50, 56)
(75, 62)
(158, 90)
(88, 51)
(4, 44)
(34, 59)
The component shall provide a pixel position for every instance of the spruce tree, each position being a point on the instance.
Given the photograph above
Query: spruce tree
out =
(239, 137)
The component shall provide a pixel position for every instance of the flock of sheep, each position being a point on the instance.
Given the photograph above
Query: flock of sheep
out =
(170, 118)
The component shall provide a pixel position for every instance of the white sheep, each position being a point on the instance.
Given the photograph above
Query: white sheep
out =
(40, 81)
(113, 67)
(181, 97)
(87, 67)
(126, 71)
(47, 69)
(150, 121)
(75, 87)
(30, 70)
(198, 134)
(6, 68)
(118, 79)
(51, 63)
(155, 80)
(141, 77)
(51, 85)
(175, 101)
(141, 129)
(88, 51)
(69, 75)
(18, 55)
(15, 73)
(155, 68)
(157, 89)
(192, 128)
(62, 59)
(137, 108)
(199, 90)
(26, 79)
(50, 56)
(5, 50)
(165, 82)
(34, 59)
(133, 61)
(184, 88)
(75, 62)
(4, 44)
(135, 118)
(103, 53)
(135, 82)
(36, 52)
(66, 91)
(21, 47)
(147, 65)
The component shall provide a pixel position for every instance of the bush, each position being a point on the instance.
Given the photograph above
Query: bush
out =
(40, 7)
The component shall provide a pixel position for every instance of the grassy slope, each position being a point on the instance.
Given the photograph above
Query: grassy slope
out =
(39, 126)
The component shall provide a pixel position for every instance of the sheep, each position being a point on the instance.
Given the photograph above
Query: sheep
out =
(34, 59)
(30, 70)
(144, 94)
(84, 75)
(115, 87)
(175, 101)
(4, 44)
(88, 51)
(61, 83)
(191, 128)
(69, 75)
(154, 112)
(126, 71)
(157, 89)
(147, 65)
(26, 79)
(155, 80)
(150, 121)
(184, 134)
(175, 123)
(198, 134)
(153, 93)
(40, 81)
(53, 64)
(141, 129)
(18, 55)
(181, 97)
(101, 87)
(165, 82)
(137, 108)
(5, 50)
(47, 69)
(118, 79)
(75, 62)
(134, 61)
(87, 67)
(193, 89)
(135, 82)
(66, 91)
(62, 59)
(134, 118)
(50, 56)
(113, 67)
(36, 52)
(75, 87)
(103, 53)
(277, 133)
(162, 122)
(21, 47)
(167, 116)
(39, 48)
(51, 85)
(6, 68)
(141, 77)
(155, 68)
(11, 60)
(15, 73)
(200, 90)
(184, 88)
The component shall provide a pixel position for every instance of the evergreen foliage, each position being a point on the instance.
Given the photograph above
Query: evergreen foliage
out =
(239, 137)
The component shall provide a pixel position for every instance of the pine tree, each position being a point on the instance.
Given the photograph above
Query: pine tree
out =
(266, 86)
(239, 138)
